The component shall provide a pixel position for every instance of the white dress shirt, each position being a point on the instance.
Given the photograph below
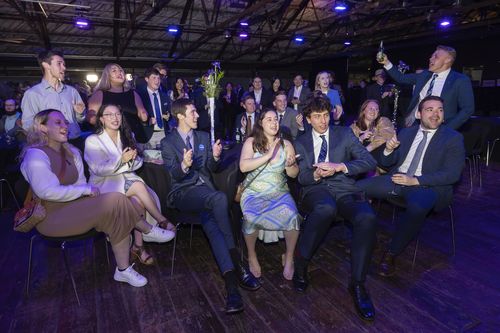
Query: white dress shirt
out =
(248, 116)
(409, 157)
(297, 91)
(152, 99)
(317, 142)
(258, 96)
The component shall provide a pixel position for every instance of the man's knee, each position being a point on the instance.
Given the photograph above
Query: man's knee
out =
(325, 210)
(217, 200)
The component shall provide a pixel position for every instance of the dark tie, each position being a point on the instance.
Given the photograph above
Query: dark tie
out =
(418, 156)
(323, 150)
(249, 125)
(281, 118)
(159, 120)
(188, 142)
(431, 85)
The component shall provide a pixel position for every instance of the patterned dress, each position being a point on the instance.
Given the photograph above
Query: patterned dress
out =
(266, 204)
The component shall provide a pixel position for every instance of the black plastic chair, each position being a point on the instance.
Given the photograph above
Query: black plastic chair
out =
(62, 243)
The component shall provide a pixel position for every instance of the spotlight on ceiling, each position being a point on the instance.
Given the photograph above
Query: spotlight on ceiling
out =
(339, 6)
(173, 30)
(444, 23)
(299, 39)
(347, 43)
(227, 34)
(244, 23)
(243, 35)
(82, 23)
(92, 78)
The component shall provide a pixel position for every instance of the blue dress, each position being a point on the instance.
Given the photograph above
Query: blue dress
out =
(266, 204)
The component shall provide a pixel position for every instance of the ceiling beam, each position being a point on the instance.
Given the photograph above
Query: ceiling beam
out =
(35, 23)
(117, 4)
(209, 33)
(132, 27)
(184, 17)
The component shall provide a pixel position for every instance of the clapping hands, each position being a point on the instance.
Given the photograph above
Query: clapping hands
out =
(128, 154)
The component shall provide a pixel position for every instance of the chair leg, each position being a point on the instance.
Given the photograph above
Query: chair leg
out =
(414, 256)
(191, 236)
(470, 175)
(452, 226)
(29, 265)
(479, 171)
(173, 252)
(107, 251)
(66, 263)
(11, 193)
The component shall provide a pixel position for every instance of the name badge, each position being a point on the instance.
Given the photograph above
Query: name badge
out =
(201, 147)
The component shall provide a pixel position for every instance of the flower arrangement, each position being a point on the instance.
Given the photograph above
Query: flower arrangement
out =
(210, 81)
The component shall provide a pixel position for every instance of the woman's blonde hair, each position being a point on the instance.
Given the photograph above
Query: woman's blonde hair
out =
(37, 138)
(104, 82)
(316, 83)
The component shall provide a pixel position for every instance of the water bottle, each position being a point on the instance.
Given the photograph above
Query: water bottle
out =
(380, 53)
(238, 135)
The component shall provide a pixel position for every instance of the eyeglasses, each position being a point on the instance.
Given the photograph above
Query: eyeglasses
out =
(112, 115)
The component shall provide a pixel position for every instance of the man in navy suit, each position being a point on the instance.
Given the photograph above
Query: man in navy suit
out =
(245, 121)
(157, 105)
(439, 80)
(330, 158)
(425, 162)
(190, 159)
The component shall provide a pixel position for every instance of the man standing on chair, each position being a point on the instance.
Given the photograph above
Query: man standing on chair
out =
(190, 159)
(425, 161)
(439, 80)
(330, 158)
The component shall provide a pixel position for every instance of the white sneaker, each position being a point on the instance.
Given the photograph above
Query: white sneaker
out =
(131, 276)
(158, 235)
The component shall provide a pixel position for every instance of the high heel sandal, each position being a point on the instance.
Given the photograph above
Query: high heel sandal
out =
(138, 251)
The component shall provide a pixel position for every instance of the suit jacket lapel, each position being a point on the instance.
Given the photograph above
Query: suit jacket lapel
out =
(433, 147)
(110, 145)
(309, 146)
(448, 83)
(332, 140)
(407, 145)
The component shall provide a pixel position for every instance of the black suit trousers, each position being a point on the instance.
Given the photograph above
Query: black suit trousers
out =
(419, 202)
(323, 207)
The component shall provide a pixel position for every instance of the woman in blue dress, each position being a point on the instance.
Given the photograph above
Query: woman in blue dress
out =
(266, 203)
(323, 84)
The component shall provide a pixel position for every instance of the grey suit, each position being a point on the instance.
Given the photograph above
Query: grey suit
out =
(302, 98)
(288, 125)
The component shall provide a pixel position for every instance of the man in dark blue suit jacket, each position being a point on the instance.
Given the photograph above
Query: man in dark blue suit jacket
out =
(423, 180)
(439, 80)
(189, 158)
(329, 159)
(153, 81)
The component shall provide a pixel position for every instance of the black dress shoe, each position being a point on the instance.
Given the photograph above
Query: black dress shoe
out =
(234, 303)
(387, 265)
(300, 279)
(246, 279)
(362, 302)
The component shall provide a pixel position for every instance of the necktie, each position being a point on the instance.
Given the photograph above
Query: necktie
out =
(281, 118)
(249, 125)
(431, 85)
(323, 150)
(188, 142)
(418, 156)
(159, 120)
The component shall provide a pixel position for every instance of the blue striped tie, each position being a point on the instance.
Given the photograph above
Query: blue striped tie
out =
(418, 156)
(429, 91)
(324, 149)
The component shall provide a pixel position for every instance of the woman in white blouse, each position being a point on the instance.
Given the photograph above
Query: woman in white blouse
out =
(54, 169)
(111, 155)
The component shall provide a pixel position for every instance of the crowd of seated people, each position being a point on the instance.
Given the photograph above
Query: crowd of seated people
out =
(295, 136)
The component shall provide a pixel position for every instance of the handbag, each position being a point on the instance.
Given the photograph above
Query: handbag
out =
(242, 187)
(33, 211)
(30, 215)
